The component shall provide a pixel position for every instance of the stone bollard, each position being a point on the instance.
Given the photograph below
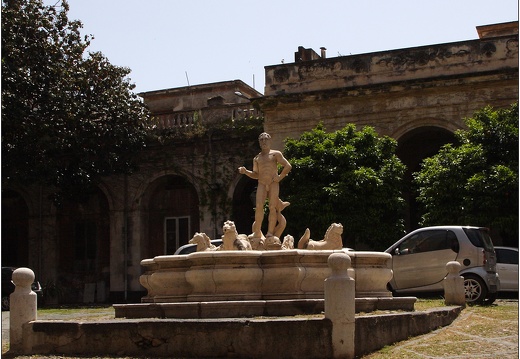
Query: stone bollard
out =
(454, 285)
(340, 305)
(23, 307)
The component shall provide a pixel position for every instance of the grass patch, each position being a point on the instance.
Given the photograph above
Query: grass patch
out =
(77, 313)
(478, 332)
(428, 303)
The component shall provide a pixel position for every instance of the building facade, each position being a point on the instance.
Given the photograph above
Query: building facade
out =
(189, 183)
(418, 96)
(186, 183)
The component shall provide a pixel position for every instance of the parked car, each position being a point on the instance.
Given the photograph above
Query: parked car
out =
(507, 268)
(419, 261)
(8, 287)
(190, 248)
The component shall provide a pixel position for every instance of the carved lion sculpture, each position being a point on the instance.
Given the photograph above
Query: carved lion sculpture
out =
(231, 240)
(331, 240)
(203, 242)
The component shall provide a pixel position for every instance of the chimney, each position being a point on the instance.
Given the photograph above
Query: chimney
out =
(323, 52)
(304, 54)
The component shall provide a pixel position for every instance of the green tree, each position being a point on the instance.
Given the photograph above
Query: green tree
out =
(348, 176)
(68, 116)
(475, 182)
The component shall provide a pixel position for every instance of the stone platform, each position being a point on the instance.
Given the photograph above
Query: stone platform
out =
(253, 308)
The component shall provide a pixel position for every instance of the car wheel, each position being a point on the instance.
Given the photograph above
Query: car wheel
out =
(5, 303)
(474, 289)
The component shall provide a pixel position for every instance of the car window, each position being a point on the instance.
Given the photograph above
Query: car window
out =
(506, 256)
(479, 237)
(452, 241)
(430, 240)
(407, 246)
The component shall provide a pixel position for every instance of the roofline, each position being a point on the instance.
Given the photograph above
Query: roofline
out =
(200, 87)
(332, 59)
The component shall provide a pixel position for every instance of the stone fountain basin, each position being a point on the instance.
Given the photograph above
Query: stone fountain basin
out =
(258, 275)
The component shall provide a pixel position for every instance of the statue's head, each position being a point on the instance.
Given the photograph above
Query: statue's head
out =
(288, 239)
(264, 135)
(264, 139)
(229, 226)
(197, 238)
(336, 228)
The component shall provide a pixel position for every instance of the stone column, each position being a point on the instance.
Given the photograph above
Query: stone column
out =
(340, 305)
(23, 307)
(454, 285)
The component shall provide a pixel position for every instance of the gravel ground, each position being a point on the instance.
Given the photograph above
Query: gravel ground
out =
(479, 332)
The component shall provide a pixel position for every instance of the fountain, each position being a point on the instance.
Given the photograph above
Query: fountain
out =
(255, 274)
(247, 276)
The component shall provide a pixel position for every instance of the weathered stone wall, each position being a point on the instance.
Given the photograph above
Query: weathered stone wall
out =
(375, 332)
(240, 338)
(223, 338)
(198, 96)
(210, 165)
(393, 91)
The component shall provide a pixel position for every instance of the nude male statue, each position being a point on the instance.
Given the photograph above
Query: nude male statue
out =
(265, 170)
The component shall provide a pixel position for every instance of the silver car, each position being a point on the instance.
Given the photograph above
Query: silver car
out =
(419, 261)
(507, 268)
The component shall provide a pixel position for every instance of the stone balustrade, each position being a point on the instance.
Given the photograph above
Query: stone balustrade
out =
(188, 118)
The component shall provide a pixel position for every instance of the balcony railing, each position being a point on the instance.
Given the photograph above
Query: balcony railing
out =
(207, 115)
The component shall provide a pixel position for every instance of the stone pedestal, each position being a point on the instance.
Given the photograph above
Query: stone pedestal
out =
(454, 285)
(23, 304)
(340, 306)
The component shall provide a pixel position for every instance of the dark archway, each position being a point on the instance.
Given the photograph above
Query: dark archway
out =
(413, 147)
(172, 215)
(15, 222)
(84, 248)
(244, 203)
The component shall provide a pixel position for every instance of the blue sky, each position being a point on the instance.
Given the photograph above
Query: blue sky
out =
(168, 43)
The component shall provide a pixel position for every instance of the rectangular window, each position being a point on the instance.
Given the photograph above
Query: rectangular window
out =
(176, 233)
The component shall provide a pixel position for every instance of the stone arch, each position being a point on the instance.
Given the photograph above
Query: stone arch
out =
(140, 195)
(108, 191)
(15, 223)
(420, 143)
(169, 210)
(413, 147)
(410, 127)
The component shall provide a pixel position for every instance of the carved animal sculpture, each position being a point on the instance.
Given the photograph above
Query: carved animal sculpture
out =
(203, 242)
(288, 242)
(231, 240)
(331, 240)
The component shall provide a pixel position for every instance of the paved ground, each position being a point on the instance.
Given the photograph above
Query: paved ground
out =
(475, 334)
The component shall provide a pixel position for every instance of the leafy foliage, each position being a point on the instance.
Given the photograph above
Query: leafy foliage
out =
(200, 129)
(475, 183)
(348, 176)
(68, 117)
